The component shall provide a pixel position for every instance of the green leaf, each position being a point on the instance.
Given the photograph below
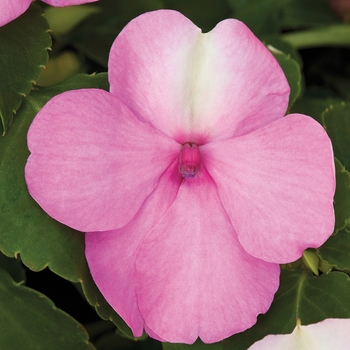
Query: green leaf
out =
(342, 197)
(261, 16)
(114, 340)
(198, 345)
(63, 19)
(336, 251)
(288, 50)
(14, 267)
(24, 43)
(336, 120)
(29, 320)
(301, 295)
(25, 228)
(95, 36)
(334, 35)
(312, 106)
(291, 70)
(307, 13)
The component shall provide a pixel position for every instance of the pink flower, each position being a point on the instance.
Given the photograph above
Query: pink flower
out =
(191, 185)
(341, 8)
(11, 9)
(332, 333)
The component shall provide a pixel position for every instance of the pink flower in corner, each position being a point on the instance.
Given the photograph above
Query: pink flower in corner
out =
(11, 9)
(341, 8)
(332, 333)
(191, 184)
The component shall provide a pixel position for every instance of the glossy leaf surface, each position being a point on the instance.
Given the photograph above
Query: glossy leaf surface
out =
(336, 251)
(24, 43)
(336, 120)
(29, 320)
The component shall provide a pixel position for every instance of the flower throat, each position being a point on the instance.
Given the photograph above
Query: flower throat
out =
(189, 160)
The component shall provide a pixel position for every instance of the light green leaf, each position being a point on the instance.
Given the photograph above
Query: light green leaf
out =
(24, 43)
(336, 251)
(336, 120)
(29, 320)
(311, 261)
(25, 228)
(301, 295)
(334, 35)
(64, 19)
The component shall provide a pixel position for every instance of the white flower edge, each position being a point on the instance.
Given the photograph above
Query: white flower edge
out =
(332, 333)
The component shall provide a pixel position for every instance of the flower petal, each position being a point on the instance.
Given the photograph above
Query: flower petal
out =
(277, 185)
(331, 333)
(111, 255)
(11, 9)
(92, 163)
(192, 276)
(61, 3)
(196, 87)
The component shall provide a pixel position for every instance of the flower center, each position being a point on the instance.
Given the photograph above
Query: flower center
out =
(189, 160)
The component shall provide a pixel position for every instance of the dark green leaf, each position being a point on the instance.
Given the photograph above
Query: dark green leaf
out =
(336, 120)
(342, 197)
(307, 13)
(288, 50)
(336, 251)
(24, 43)
(301, 295)
(14, 267)
(312, 106)
(29, 320)
(292, 72)
(25, 228)
(114, 340)
(261, 16)
(198, 345)
(95, 36)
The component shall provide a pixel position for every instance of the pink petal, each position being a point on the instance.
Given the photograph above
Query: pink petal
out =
(196, 87)
(92, 163)
(61, 3)
(277, 185)
(328, 334)
(11, 9)
(111, 255)
(193, 279)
